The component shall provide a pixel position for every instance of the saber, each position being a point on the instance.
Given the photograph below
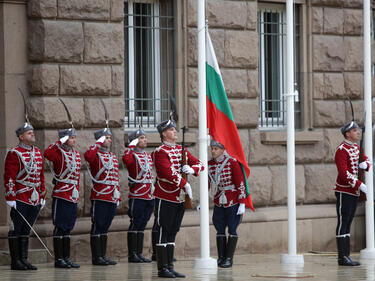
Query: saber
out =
(106, 115)
(24, 105)
(36, 234)
(351, 106)
(67, 113)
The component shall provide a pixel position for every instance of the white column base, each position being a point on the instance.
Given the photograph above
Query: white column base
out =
(208, 263)
(291, 259)
(367, 253)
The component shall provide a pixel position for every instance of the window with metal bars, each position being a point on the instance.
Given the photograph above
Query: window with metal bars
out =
(272, 68)
(149, 61)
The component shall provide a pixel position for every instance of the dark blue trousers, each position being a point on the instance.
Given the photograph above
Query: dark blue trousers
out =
(20, 226)
(139, 212)
(226, 217)
(64, 215)
(346, 205)
(102, 214)
(169, 219)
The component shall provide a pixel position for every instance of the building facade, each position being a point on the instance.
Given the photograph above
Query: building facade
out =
(140, 57)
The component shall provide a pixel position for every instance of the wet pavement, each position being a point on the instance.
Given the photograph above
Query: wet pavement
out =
(255, 267)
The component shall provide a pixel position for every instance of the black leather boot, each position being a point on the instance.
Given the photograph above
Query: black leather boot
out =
(154, 241)
(24, 250)
(170, 254)
(229, 253)
(103, 240)
(347, 259)
(14, 251)
(66, 253)
(162, 261)
(96, 251)
(58, 249)
(132, 248)
(140, 238)
(221, 243)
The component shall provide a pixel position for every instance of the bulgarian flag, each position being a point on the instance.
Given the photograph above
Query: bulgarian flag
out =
(220, 122)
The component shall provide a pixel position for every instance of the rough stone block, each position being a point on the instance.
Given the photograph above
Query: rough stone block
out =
(192, 47)
(117, 10)
(118, 81)
(322, 238)
(353, 20)
(42, 8)
(353, 3)
(94, 112)
(245, 140)
(260, 184)
(353, 47)
(359, 111)
(191, 13)
(265, 154)
(333, 21)
(353, 82)
(333, 85)
(193, 112)
(324, 3)
(48, 112)
(318, 88)
(252, 15)
(328, 53)
(226, 14)
(218, 38)
(332, 139)
(320, 181)
(104, 43)
(329, 113)
(85, 80)
(84, 9)
(245, 112)
(279, 193)
(192, 83)
(307, 153)
(252, 84)
(241, 49)
(235, 82)
(55, 41)
(317, 19)
(43, 79)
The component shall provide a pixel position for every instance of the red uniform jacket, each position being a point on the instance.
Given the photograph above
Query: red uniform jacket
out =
(226, 181)
(169, 182)
(347, 161)
(24, 175)
(104, 174)
(66, 169)
(139, 165)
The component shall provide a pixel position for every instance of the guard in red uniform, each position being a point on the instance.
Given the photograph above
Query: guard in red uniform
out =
(141, 200)
(105, 193)
(228, 190)
(66, 162)
(347, 189)
(24, 192)
(170, 189)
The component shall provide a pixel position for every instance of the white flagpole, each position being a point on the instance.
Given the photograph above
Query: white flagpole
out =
(291, 257)
(369, 251)
(205, 262)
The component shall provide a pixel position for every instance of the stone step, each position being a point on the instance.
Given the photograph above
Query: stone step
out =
(35, 256)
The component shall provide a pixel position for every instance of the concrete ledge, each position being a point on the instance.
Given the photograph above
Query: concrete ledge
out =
(301, 137)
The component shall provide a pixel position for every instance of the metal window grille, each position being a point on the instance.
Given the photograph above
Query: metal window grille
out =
(272, 69)
(149, 61)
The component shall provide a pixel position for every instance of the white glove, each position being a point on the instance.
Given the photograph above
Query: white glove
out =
(188, 190)
(64, 139)
(12, 204)
(118, 203)
(241, 209)
(363, 165)
(363, 188)
(42, 203)
(198, 208)
(187, 169)
(101, 139)
(134, 143)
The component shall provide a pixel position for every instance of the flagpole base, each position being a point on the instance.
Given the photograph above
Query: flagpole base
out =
(291, 259)
(207, 263)
(367, 254)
